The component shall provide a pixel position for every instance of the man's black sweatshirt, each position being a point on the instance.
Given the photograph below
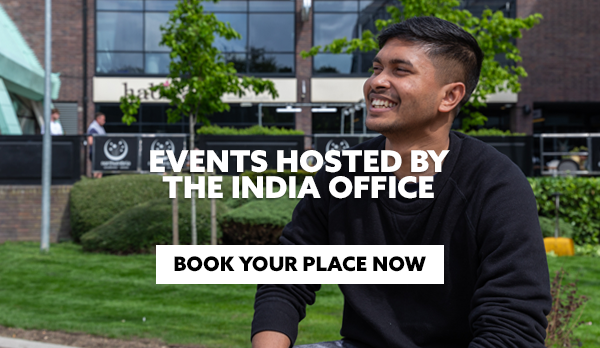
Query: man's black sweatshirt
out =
(496, 283)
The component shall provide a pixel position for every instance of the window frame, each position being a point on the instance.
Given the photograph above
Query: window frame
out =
(143, 52)
(360, 53)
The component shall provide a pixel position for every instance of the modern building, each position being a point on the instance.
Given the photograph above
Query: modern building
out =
(105, 49)
(21, 83)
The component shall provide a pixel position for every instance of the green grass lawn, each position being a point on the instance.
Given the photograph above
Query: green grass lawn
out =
(73, 291)
(106, 295)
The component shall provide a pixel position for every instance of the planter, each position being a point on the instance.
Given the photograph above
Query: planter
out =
(269, 143)
(21, 160)
(519, 149)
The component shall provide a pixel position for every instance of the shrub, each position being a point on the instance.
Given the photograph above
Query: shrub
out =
(93, 202)
(257, 222)
(579, 204)
(140, 228)
(300, 174)
(254, 130)
(548, 225)
(587, 250)
(490, 132)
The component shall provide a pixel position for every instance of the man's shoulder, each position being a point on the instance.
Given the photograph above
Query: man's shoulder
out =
(481, 165)
(371, 144)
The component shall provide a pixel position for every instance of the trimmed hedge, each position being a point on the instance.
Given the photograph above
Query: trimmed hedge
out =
(257, 222)
(548, 225)
(579, 204)
(254, 130)
(300, 174)
(139, 229)
(95, 201)
(490, 132)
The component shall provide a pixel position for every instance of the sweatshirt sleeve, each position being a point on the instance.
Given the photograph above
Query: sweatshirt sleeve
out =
(512, 292)
(281, 307)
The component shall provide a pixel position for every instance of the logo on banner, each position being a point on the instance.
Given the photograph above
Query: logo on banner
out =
(115, 150)
(337, 145)
(162, 144)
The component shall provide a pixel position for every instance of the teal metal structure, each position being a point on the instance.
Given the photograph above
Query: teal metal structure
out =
(20, 74)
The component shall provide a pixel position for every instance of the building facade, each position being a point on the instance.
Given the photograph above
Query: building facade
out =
(105, 49)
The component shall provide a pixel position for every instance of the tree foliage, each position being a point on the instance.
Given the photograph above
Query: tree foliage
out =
(199, 75)
(494, 32)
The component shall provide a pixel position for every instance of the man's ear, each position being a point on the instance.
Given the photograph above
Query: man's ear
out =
(453, 93)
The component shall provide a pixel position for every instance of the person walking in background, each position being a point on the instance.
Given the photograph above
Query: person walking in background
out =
(55, 126)
(96, 127)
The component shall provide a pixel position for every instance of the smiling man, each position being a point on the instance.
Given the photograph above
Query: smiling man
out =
(496, 285)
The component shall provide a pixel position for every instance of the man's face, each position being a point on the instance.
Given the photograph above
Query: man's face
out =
(55, 116)
(101, 120)
(403, 93)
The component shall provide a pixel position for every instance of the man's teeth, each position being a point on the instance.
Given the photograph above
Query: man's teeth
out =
(383, 103)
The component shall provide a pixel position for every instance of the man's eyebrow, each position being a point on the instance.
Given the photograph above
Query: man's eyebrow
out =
(394, 61)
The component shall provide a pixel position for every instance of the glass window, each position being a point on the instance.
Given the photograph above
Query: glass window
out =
(133, 26)
(262, 62)
(272, 32)
(226, 6)
(238, 22)
(120, 5)
(270, 117)
(334, 26)
(119, 31)
(477, 7)
(327, 63)
(272, 6)
(120, 63)
(153, 113)
(113, 113)
(152, 32)
(238, 59)
(371, 5)
(157, 63)
(335, 6)
(330, 24)
(160, 5)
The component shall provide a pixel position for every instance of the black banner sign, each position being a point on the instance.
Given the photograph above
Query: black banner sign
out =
(115, 153)
(174, 143)
(339, 142)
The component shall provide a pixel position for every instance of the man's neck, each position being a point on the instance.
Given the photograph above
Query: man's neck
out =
(403, 144)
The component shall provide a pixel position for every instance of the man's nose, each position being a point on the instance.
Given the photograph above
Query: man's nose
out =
(380, 81)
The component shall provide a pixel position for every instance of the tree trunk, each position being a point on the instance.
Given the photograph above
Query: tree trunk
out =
(193, 202)
(213, 220)
(175, 221)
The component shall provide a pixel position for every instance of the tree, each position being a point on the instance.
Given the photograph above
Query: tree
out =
(494, 33)
(198, 73)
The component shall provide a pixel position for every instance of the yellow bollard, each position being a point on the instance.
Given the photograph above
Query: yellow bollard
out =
(561, 246)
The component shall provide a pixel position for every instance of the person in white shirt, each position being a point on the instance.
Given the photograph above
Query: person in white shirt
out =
(96, 127)
(55, 126)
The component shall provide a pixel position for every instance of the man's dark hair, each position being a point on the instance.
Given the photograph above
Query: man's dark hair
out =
(55, 111)
(98, 114)
(446, 44)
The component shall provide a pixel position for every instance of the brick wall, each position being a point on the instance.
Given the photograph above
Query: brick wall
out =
(560, 55)
(21, 209)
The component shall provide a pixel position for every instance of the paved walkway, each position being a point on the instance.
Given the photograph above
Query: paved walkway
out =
(6, 342)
